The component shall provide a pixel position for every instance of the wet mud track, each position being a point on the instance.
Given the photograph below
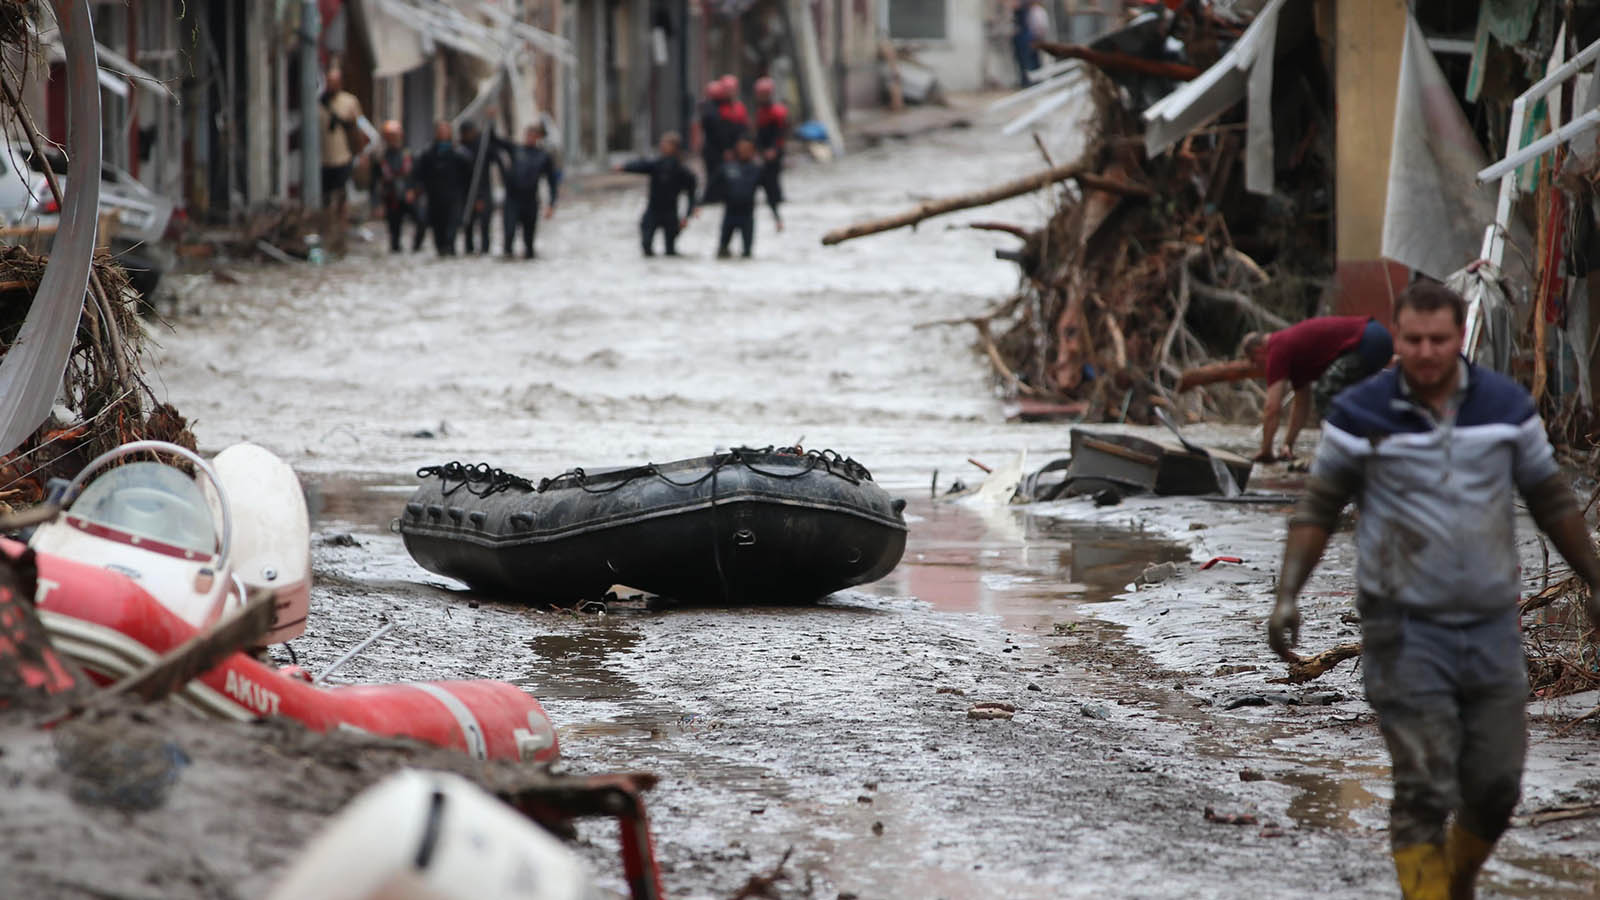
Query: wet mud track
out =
(839, 729)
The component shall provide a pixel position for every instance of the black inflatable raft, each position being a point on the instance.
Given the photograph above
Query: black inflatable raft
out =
(743, 526)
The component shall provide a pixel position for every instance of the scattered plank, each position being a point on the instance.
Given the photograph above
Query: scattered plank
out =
(1557, 814)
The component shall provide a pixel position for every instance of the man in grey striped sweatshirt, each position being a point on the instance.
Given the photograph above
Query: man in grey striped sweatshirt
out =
(1434, 454)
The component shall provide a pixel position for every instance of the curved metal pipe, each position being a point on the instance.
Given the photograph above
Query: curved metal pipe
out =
(34, 365)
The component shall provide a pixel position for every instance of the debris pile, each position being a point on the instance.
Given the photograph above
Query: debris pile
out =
(104, 389)
(1152, 264)
(105, 399)
(1563, 656)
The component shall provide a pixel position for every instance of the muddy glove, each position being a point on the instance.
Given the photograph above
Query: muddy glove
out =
(1283, 627)
(1301, 551)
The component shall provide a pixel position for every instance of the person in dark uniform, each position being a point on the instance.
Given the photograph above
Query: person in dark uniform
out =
(525, 165)
(443, 171)
(709, 136)
(480, 205)
(397, 195)
(1022, 37)
(772, 129)
(742, 176)
(669, 177)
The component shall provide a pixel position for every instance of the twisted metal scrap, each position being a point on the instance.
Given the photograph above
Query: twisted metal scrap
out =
(33, 367)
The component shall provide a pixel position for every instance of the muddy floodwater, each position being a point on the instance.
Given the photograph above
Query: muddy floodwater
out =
(841, 729)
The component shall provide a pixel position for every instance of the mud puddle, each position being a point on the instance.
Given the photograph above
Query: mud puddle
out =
(1025, 568)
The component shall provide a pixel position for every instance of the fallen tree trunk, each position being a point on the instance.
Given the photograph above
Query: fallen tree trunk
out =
(931, 208)
(1308, 668)
(1120, 62)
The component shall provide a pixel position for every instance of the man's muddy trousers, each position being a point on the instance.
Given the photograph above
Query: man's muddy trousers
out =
(740, 222)
(1452, 705)
(665, 222)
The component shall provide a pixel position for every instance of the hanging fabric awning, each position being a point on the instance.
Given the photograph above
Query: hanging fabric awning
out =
(116, 71)
(450, 25)
(397, 48)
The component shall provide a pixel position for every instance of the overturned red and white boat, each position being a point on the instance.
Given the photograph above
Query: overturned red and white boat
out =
(146, 557)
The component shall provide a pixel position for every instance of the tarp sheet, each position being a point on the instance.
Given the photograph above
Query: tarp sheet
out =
(1435, 212)
(115, 70)
(397, 48)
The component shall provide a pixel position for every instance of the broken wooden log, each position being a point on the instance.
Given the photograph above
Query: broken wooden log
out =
(1006, 227)
(1114, 185)
(1560, 813)
(1120, 62)
(1309, 668)
(931, 208)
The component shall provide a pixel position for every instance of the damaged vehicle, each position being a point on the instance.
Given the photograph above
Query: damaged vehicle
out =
(139, 216)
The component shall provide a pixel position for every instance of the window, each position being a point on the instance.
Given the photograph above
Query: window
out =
(917, 20)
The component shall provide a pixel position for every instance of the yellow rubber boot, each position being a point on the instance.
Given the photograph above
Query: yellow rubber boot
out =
(1465, 854)
(1424, 873)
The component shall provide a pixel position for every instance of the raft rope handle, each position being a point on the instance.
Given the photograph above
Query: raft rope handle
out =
(716, 538)
(495, 480)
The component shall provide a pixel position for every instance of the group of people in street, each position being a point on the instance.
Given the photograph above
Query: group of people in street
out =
(448, 187)
(740, 157)
(1433, 450)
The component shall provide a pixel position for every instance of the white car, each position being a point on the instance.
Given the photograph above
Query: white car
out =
(141, 214)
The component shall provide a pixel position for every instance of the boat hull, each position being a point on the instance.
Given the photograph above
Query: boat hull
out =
(738, 527)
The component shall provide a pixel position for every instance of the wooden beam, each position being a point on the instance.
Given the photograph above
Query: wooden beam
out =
(1120, 62)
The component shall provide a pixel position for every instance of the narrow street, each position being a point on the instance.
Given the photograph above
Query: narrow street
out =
(840, 730)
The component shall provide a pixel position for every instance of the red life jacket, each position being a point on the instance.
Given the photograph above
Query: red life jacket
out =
(772, 125)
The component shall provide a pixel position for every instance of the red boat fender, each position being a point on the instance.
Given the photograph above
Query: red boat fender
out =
(112, 627)
(1219, 559)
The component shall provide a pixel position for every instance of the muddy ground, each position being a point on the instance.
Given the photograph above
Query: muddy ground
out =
(839, 729)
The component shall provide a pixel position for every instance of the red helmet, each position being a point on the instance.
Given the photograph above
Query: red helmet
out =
(764, 87)
(714, 90)
(730, 85)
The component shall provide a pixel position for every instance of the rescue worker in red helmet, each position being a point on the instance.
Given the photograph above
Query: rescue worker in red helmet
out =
(772, 130)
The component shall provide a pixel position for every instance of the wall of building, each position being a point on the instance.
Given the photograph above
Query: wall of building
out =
(958, 59)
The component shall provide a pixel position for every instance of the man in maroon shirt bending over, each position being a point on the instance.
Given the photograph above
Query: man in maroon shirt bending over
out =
(1317, 358)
